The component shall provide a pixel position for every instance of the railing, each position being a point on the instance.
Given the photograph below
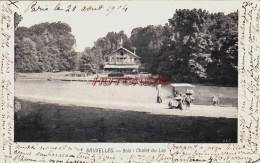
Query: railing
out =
(121, 63)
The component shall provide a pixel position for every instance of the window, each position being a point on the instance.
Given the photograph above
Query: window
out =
(106, 59)
(121, 53)
(135, 59)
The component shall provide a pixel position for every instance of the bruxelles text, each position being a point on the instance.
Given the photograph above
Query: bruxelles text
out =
(131, 81)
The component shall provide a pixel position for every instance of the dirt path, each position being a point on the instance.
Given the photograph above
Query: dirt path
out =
(153, 108)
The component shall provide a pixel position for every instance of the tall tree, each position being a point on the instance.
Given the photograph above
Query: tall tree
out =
(17, 19)
(54, 45)
(191, 43)
(26, 59)
(223, 69)
(148, 42)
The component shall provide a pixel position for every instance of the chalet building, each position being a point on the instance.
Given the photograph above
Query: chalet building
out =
(122, 60)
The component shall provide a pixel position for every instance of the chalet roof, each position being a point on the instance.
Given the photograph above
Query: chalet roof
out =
(122, 66)
(124, 50)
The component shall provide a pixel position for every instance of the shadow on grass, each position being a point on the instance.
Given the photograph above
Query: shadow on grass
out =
(41, 122)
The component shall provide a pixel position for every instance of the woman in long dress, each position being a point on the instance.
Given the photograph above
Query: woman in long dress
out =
(159, 99)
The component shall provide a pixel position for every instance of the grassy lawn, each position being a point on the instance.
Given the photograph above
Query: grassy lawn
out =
(55, 123)
(85, 91)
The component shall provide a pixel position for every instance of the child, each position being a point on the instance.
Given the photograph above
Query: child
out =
(215, 100)
(170, 105)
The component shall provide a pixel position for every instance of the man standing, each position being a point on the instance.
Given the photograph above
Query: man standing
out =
(158, 88)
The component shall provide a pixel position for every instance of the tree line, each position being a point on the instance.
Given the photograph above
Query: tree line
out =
(45, 47)
(193, 46)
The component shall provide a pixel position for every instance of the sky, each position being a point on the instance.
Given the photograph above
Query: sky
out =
(88, 26)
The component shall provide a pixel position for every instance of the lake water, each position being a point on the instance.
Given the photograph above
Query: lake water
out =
(85, 91)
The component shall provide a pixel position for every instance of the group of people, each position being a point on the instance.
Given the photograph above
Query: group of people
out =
(184, 100)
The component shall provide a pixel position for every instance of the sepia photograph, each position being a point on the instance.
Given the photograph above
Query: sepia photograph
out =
(169, 74)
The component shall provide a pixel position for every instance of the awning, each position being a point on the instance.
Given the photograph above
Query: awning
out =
(121, 66)
(182, 85)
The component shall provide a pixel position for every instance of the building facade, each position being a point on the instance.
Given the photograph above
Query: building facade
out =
(122, 60)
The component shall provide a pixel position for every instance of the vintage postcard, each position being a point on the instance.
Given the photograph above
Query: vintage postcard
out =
(130, 81)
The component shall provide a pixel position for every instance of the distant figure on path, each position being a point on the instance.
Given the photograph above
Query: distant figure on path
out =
(215, 101)
(158, 88)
